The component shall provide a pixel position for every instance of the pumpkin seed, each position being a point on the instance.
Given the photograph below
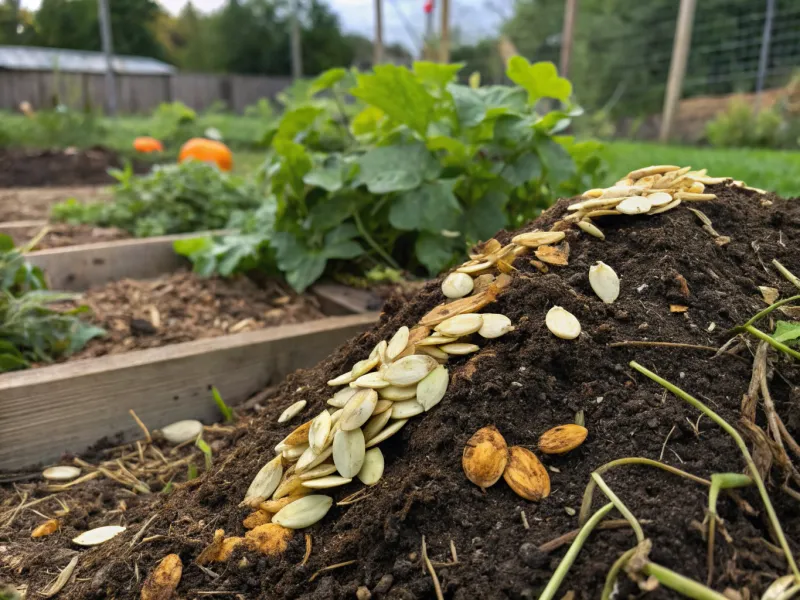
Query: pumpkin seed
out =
(485, 457)
(372, 469)
(591, 229)
(310, 459)
(266, 480)
(431, 390)
(364, 366)
(593, 193)
(303, 512)
(335, 416)
(435, 352)
(348, 452)
(604, 282)
(397, 392)
(460, 325)
(99, 535)
(342, 379)
(327, 482)
(554, 255)
(376, 424)
(407, 409)
(398, 343)
(494, 325)
(481, 266)
(665, 208)
(292, 453)
(600, 213)
(63, 473)
(469, 304)
(358, 409)
(297, 437)
(457, 285)
(409, 370)
(694, 197)
(291, 412)
(562, 323)
(534, 239)
(318, 471)
(380, 348)
(437, 339)
(320, 428)
(459, 348)
(621, 191)
(290, 485)
(652, 170)
(696, 188)
(635, 205)
(382, 406)
(373, 380)
(600, 203)
(659, 199)
(387, 433)
(182, 431)
(341, 397)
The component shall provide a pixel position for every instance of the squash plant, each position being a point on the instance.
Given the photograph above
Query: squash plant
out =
(424, 168)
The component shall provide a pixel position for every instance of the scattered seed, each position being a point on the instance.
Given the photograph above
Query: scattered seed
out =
(66, 472)
(635, 205)
(330, 481)
(769, 294)
(562, 323)
(678, 308)
(341, 397)
(485, 456)
(163, 580)
(593, 193)
(437, 339)
(689, 196)
(665, 208)
(294, 452)
(182, 431)
(457, 285)
(291, 412)
(316, 473)
(591, 229)
(376, 424)
(467, 305)
(358, 409)
(49, 527)
(309, 460)
(364, 366)
(459, 348)
(659, 199)
(318, 433)
(534, 239)
(291, 485)
(652, 170)
(303, 512)
(396, 392)
(373, 380)
(398, 343)
(432, 388)
(622, 191)
(562, 439)
(387, 433)
(526, 475)
(494, 325)
(460, 325)
(297, 437)
(382, 406)
(554, 255)
(372, 469)
(99, 535)
(434, 351)
(407, 409)
(348, 452)
(409, 370)
(604, 282)
(266, 480)
(342, 379)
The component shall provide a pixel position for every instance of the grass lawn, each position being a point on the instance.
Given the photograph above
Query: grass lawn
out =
(777, 171)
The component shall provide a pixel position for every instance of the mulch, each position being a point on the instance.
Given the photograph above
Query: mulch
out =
(524, 383)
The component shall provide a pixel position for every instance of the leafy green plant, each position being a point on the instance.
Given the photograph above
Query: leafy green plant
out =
(405, 168)
(175, 198)
(227, 412)
(740, 126)
(16, 274)
(174, 123)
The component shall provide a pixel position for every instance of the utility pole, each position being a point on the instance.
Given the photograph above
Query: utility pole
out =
(377, 47)
(677, 66)
(763, 57)
(570, 10)
(444, 41)
(108, 50)
(297, 52)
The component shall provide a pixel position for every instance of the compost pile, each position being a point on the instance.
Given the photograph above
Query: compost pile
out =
(690, 267)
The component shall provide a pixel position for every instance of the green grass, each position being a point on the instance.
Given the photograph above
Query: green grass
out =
(773, 170)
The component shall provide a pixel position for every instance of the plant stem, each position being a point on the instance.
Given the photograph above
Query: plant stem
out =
(791, 277)
(586, 505)
(762, 490)
(611, 578)
(620, 505)
(766, 311)
(569, 558)
(32, 243)
(719, 481)
(679, 583)
(373, 244)
(772, 341)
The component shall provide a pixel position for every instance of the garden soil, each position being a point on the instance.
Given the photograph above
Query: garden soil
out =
(27, 204)
(523, 383)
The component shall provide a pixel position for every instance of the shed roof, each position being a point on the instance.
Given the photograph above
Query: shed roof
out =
(30, 58)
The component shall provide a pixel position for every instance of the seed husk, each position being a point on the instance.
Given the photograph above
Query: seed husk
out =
(294, 452)
(358, 409)
(67, 472)
(318, 433)
(49, 527)
(485, 456)
(635, 205)
(665, 208)
(182, 431)
(372, 470)
(317, 472)
(99, 535)
(162, 581)
(432, 389)
(309, 460)
(460, 325)
(534, 239)
(769, 294)
(467, 305)
(398, 343)
(593, 193)
(270, 539)
(348, 452)
(373, 380)
(591, 229)
(600, 203)
(689, 196)
(562, 323)
(397, 392)
(341, 397)
(385, 434)
(323, 483)
(562, 439)
(437, 339)
(376, 424)
(477, 268)
(303, 512)
(298, 436)
(292, 411)
(622, 191)
(526, 475)
(652, 170)
(457, 285)
(459, 348)
(291, 484)
(409, 370)
(494, 325)
(407, 409)
(266, 481)
(434, 351)
(604, 282)
(554, 255)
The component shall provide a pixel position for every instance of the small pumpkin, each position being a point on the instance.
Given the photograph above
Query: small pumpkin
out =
(205, 150)
(146, 145)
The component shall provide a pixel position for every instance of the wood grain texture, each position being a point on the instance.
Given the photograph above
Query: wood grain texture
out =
(337, 299)
(69, 407)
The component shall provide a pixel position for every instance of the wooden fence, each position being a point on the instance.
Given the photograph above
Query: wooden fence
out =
(135, 93)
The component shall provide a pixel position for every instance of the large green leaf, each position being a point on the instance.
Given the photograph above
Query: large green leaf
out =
(339, 242)
(396, 168)
(512, 130)
(331, 210)
(436, 74)
(787, 332)
(326, 80)
(486, 217)
(522, 169)
(557, 161)
(397, 93)
(503, 98)
(470, 107)
(430, 207)
(190, 246)
(456, 151)
(434, 251)
(328, 174)
(540, 79)
(295, 121)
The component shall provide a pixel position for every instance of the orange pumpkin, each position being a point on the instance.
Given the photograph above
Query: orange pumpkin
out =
(147, 145)
(206, 150)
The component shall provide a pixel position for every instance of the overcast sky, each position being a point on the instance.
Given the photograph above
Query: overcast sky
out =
(475, 18)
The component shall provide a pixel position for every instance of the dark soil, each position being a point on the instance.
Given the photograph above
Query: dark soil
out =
(31, 168)
(524, 383)
(27, 204)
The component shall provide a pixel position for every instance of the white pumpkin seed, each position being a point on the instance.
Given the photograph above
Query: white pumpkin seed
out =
(376, 424)
(459, 348)
(335, 416)
(266, 480)
(604, 282)
(407, 409)
(398, 343)
(318, 471)
(311, 459)
(476, 268)
(294, 452)
(348, 452)
(665, 208)
(358, 409)
(342, 379)
(330, 481)
(409, 369)
(318, 433)
(287, 487)
(99, 535)
(303, 512)
(652, 170)
(534, 239)
(494, 325)
(778, 588)
(562, 323)
(372, 470)
(431, 390)
(460, 325)
(635, 205)
(380, 348)
(370, 380)
(591, 229)
(62, 473)
(387, 433)
(593, 193)
(182, 431)
(436, 339)
(291, 412)
(341, 397)
(434, 351)
(621, 191)
(396, 392)
(659, 199)
(457, 285)
(364, 366)
(382, 406)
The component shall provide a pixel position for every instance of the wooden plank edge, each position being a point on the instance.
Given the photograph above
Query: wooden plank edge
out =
(341, 299)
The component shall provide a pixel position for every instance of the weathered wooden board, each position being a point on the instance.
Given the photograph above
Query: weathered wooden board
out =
(69, 407)
(20, 230)
(337, 299)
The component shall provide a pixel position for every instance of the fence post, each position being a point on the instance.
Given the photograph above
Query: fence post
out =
(763, 57)
(677, 66)
(570, 10)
